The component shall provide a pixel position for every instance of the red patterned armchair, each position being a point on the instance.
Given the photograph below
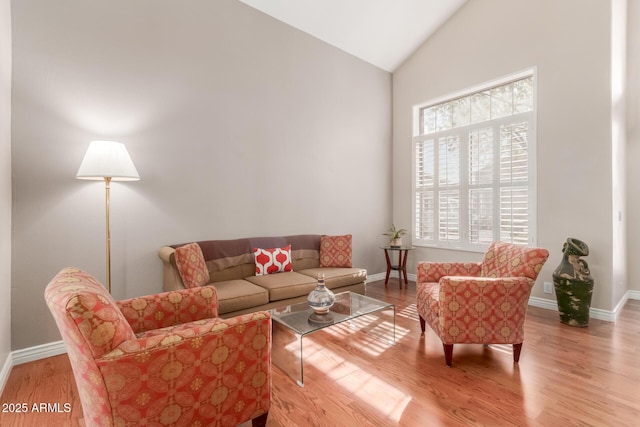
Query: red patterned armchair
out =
(479, 303)
(162, 360)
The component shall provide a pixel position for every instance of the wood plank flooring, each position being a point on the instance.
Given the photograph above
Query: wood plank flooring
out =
(566, 376)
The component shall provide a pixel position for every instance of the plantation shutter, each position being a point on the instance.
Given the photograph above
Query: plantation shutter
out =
(425, 197)
(472, 171)
(514, 179)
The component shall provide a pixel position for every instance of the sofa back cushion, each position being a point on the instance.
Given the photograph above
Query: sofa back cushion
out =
(191, 265)
(335, 251)
(234, 259)
(508, 260)
(272, 260)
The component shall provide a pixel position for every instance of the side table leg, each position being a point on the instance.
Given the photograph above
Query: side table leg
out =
(404, 268)
(400, 264)
(386, 255)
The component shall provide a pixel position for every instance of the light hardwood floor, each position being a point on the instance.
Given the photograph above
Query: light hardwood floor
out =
(566, 377)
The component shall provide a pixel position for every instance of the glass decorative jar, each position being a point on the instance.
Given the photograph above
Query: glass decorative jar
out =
(321, 299)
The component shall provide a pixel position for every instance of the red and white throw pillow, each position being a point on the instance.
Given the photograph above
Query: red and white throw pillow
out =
(269, 261)
(335, 251)
(191, 265)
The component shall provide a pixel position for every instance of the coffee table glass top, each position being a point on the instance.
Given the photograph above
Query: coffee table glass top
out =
(301, 319)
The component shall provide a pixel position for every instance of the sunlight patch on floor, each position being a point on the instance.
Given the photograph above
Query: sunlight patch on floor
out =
(369, 334)
(366, 387)
(409, 312)
(503, 348)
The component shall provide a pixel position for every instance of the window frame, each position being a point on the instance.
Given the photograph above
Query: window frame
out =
(463, 187)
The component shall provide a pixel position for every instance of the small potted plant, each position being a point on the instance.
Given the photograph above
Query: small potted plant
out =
(395, 236)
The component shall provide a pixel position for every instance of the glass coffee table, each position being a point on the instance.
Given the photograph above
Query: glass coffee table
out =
(294, 322)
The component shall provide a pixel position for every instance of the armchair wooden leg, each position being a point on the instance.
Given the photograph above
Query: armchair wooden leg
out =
(422, 324)
(448, 353)
(516, 352)
(260, 421)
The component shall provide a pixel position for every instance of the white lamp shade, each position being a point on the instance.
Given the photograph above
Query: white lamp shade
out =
(107, 159)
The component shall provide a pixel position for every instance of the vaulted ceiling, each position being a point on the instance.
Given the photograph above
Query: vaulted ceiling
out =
(381, 32)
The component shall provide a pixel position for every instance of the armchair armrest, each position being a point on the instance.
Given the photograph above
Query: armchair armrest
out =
(170, 308)
(434, 271)
(496, 307)
(217, 369)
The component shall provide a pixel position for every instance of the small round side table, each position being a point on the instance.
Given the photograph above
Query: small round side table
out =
(401, 267)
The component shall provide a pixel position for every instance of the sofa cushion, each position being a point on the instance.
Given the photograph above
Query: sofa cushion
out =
(337, 277)
(234, 295)
(285, 285)
(335, 251)
(269, 261)
(232, 273)
(191, 265)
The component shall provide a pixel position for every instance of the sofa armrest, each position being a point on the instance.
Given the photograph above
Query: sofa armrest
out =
(217, 369)
(434, 271)
(165, 253)
(170, 308)
(171, 280)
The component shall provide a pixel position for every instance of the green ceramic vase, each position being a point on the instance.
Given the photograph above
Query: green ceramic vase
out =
(573, 284)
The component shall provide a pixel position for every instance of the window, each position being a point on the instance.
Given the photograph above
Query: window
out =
(474, 164)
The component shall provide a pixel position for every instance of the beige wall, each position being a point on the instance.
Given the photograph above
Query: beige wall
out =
(5, 180)
(238, 124)
(633, 143)
(569, 44)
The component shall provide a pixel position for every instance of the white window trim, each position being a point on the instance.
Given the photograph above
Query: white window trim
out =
(532, 160)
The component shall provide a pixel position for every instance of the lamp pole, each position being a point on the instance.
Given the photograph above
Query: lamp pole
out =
(107, 190)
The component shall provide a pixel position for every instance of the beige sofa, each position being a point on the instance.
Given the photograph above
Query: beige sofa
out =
(232, 272)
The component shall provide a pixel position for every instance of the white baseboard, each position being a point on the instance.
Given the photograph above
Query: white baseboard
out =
(595, 313)
(25, 355)
(547, 304)
(38, 352)
(394, 274)
(375, 277)
(6, 370)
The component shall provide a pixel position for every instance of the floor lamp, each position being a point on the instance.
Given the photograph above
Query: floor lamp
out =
(108, 161)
